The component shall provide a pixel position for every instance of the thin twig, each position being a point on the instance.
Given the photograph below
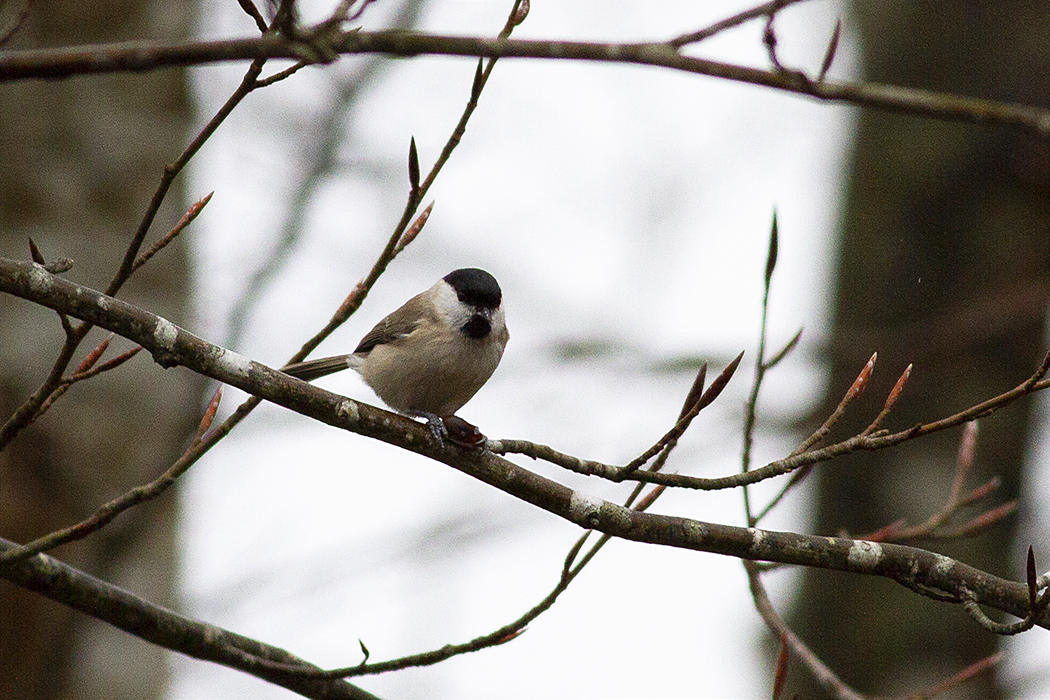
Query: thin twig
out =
(820, 671)
(192, 213)
(751, 415)
(958, 679)
(16, 22)
(779, 467)
(252, 11)
(763, 10)
(706, 398)
(80, 376)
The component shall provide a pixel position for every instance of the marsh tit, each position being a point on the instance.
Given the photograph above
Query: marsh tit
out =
(430, 356)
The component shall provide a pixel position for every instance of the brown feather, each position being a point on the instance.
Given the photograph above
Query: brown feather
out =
(395, 325)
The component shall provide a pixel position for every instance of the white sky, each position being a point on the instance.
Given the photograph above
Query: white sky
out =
(622, 208)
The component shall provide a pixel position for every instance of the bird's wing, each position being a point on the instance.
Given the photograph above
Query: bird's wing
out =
(397, 325)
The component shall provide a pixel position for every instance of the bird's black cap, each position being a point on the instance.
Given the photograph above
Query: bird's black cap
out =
(475, 287)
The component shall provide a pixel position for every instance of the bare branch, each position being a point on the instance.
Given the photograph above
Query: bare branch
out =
(829, 53)
(140, 56)
(8, 32)
(824, 675)
(192, 213)
(252, 11)
(103, 601)
(706, 398)
(959, 678)
(763, 10)
(172, 346)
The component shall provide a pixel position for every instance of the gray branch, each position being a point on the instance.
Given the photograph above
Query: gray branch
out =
(934, 575)
(124, 610)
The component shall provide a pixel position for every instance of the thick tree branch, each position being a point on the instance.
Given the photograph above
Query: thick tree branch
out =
(915, 568)
(142, 56)
(106, 602)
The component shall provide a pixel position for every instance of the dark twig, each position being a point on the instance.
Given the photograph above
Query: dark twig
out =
(829, 53)
(680, 427)
(958, 679)
(763, 10)
(751, 415)
(17, 21)
(779, 356)
(82, 374)
(776, 624)
(64, 62)
(192, 213)
(252, 11)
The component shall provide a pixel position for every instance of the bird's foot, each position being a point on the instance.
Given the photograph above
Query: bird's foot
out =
(437, 427)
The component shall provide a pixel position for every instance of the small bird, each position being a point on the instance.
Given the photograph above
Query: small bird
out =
(430, 356)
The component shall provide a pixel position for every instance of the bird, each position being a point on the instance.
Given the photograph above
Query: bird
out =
(431, 355)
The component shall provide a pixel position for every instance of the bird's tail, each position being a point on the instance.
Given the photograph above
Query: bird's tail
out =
(313, 369)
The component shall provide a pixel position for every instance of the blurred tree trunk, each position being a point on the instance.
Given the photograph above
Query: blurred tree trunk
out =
(81, 158)
(943, 263)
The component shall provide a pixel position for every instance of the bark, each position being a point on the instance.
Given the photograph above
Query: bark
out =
(943, 263)
(81, 158)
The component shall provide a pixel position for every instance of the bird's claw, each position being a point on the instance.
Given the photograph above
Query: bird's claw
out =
(437, 428)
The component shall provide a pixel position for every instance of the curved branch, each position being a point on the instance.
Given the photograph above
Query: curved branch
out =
(103, 601)
(173, 346)
(141, 56)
